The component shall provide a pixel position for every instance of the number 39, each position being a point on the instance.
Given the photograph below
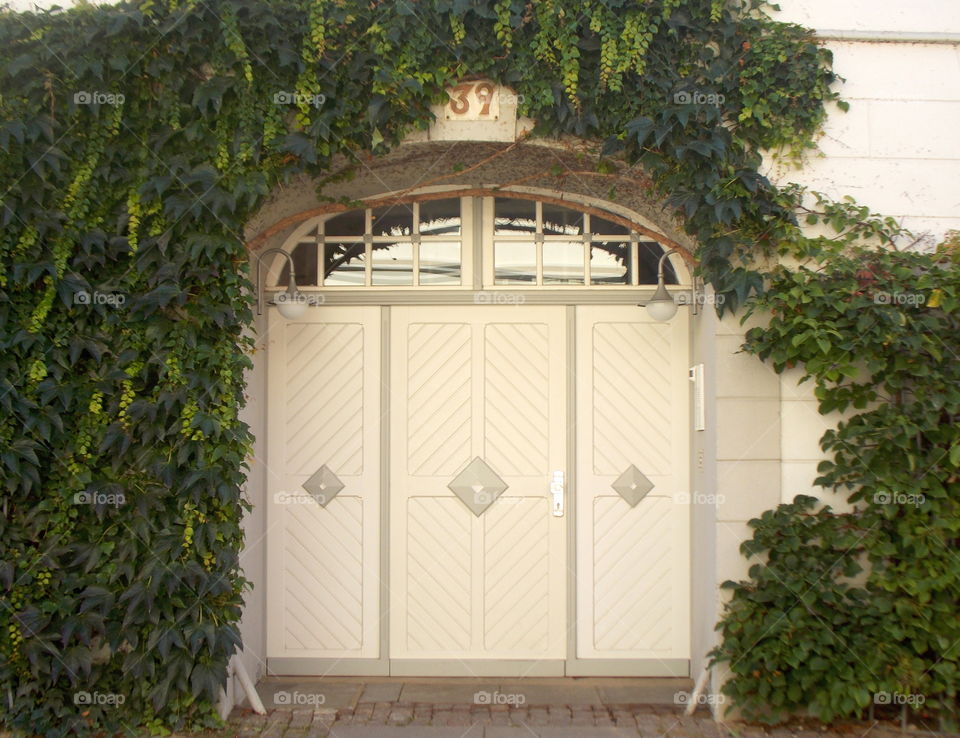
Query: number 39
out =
(460, 97)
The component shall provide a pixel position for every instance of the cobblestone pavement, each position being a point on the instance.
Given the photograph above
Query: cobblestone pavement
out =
(457, 720)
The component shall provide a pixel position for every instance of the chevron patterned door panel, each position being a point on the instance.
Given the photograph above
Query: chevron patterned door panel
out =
(323, 472)
(478, 423)
(633, 572)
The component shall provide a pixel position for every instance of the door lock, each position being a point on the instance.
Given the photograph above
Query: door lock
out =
(556, 489)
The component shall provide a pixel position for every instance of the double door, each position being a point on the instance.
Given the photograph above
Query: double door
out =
(482, 490)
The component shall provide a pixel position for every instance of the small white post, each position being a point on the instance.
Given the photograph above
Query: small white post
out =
(697, 689)
(248, 686)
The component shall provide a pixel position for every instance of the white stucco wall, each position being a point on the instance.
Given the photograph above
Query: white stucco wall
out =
(253, 559)
(897, 150)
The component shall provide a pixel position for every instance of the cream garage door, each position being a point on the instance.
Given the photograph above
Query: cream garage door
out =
(477, 557)
(633, 512)
(323, 431)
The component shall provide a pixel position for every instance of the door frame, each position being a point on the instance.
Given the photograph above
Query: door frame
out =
(571, 665)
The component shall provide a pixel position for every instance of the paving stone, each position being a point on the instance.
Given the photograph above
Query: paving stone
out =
(455, 718)
(603, 719)
(318, 731)
(654, 694)
(324, 714)
(301, 718)
(460, 692)
(480, 715)
(371, 709)
(381, 692)
(282, 693)
(508, 732)
(400, 716)
(392, 731)
(553, 694)
(577, 732)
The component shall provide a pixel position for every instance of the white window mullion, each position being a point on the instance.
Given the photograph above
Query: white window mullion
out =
(368, 248)
(538, 239)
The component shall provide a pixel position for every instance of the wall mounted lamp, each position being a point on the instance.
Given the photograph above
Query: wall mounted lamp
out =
(662, 306)
(293, 303)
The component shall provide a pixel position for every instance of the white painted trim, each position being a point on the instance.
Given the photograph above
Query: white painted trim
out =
(502, 295)
(890, 37)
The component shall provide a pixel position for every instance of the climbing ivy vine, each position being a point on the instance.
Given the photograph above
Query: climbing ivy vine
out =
(137, 140)
(855, 612)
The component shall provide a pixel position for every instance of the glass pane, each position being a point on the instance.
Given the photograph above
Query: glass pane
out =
(650, 253)
(439, 262)
(515, 263)
(392, 263)
(393, 220)
(344, 264)
(563, 262)
(350, 224)
(609, 262)
(514, 216)
(558, 221)
(304, 265)
(604, 227)
(440, 217)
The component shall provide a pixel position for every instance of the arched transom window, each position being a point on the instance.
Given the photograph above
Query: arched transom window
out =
(470, 243)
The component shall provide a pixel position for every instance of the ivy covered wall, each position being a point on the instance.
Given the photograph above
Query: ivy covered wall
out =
(135, 143)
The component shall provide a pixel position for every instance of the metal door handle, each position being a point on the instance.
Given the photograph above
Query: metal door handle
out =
(556, 489)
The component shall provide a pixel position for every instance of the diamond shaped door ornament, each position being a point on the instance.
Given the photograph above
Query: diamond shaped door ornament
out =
(632, 485)
(323, 486)
(477, 486)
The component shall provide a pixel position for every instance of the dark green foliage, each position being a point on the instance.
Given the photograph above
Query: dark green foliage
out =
(878, 333)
